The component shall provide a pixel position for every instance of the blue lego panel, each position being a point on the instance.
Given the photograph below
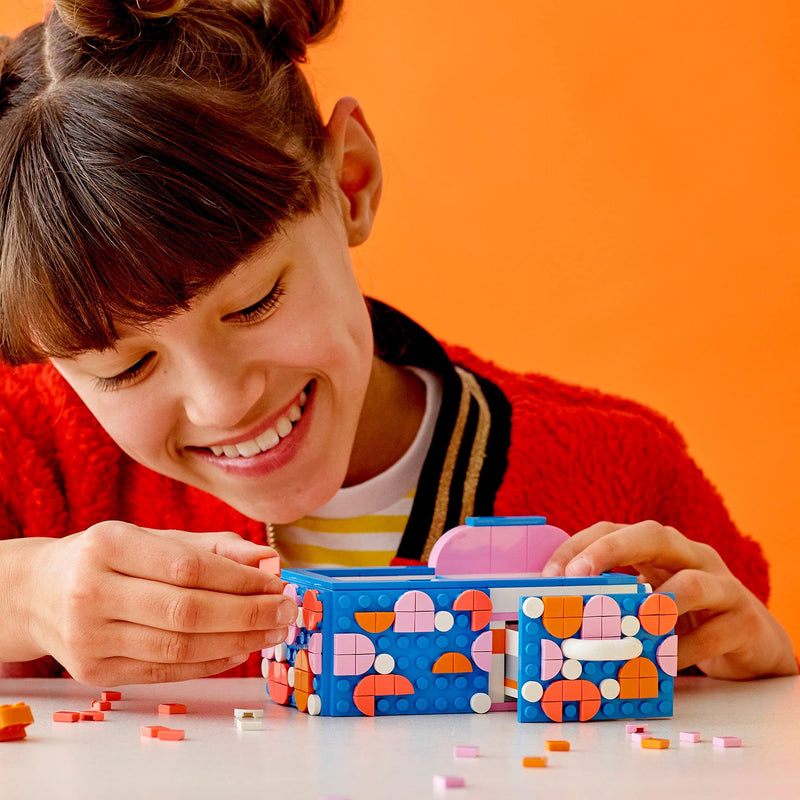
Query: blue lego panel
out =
(601, 657)
(498, 522)
(381, 656)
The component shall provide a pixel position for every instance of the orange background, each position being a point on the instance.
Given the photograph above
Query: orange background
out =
(603, 191)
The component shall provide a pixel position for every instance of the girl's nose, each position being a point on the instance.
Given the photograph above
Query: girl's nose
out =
(219, 394)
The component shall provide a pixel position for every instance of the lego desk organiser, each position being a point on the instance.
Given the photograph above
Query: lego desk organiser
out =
(477, 630)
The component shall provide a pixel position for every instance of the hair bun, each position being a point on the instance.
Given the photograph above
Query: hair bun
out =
(115, 19)
(293, 25)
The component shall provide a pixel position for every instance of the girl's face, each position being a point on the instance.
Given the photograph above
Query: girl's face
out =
(254, 394)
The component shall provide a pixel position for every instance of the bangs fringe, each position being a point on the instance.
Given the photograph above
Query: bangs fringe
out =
(107, 220)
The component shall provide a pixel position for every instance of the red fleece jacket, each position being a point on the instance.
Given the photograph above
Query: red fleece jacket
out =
(576, 456)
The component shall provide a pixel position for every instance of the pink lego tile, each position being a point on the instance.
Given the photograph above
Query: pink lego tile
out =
(592, 628)
(667, 655)
(465, 751)
(689, 736)
(542, 542)
(448, 782)
(464, 550)
(727, 741)
(344, 664)
(508, 549)
(635, 727)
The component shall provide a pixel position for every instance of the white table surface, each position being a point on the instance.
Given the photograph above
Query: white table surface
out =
(298, 756)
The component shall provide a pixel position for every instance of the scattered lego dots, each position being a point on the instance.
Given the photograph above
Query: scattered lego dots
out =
(151, 731)
(171, 735)
(448, 782)
(534, 761)
(162, 733)
(465, 751)
(655, 744)
(110, 695)
(689, 736)
(248, 713)
(635, 727)
(556, 745)
(248, 724)
(727, 741)
(171, 708)
(14, 719)
(101, 705)
(91, 716)
(66, 716)
(640, 737)
(248, 719)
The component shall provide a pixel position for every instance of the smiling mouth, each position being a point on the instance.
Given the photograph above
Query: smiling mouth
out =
(270, 437)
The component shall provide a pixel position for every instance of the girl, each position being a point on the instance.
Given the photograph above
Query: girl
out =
(188, 351)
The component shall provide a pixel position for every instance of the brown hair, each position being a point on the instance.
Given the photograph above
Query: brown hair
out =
(146, 147)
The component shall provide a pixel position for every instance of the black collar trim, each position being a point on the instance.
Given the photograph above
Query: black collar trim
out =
(468, 454)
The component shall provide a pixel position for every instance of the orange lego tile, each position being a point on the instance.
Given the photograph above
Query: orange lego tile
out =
(66, 716)
(534, 761)
(171, 735)
(171, 708)
(151, 731)
(655, 744)
(556, 744)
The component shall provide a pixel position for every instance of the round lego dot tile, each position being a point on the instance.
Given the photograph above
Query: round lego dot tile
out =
(609, 688)
(533, 607)
(384, 663)
(532, 691)
(571, 669)
(314, 705)
(480, 703)
(443, 621)
(630, 626)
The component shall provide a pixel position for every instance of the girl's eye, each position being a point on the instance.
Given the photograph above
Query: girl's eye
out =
(261, 308)
(126, 377)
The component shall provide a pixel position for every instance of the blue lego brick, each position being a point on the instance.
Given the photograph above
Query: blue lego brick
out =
(614, 693)
(499, 522)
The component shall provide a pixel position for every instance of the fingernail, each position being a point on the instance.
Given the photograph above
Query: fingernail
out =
(287, 612)
(550, 571)
(579, 567)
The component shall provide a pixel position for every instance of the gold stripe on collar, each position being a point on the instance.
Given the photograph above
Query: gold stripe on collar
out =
(469, 389)
(478, 452)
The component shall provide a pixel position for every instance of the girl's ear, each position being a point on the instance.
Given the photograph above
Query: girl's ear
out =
(353, 157)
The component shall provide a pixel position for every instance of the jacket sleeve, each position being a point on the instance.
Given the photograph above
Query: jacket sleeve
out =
(578, 457)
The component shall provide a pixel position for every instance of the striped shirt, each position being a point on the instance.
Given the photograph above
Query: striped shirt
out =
(362, 525)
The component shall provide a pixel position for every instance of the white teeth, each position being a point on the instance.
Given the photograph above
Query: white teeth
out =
(283, 427)
(268, 439)
(248, 449)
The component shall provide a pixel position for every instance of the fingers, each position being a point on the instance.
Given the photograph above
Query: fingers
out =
(699, 591)
(567, 551)
(231, 546)
(649, 547)
(127, 640)
(164, 606)
(118, 671)
(158, 556)
(717, 637)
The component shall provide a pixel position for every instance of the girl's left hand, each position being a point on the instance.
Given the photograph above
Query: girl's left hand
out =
(723, 627)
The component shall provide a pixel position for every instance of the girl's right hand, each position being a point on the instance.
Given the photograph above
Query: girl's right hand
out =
(120, 604)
